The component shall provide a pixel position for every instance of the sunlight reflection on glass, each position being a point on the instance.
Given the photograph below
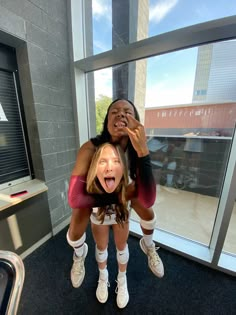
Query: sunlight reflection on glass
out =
(14, 230)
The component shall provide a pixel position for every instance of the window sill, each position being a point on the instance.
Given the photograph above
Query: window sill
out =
(33, 187)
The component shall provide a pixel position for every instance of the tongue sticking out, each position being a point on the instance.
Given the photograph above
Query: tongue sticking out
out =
(110, 182)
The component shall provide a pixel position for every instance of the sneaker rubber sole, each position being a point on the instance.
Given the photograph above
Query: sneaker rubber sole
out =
(77, 284)
(122, 292)
(102, 299)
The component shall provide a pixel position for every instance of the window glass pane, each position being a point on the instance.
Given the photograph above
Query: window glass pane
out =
(102, 25)
(169, 15)
(230, 240)
(103, 95)
(117, 23)
(189, 133)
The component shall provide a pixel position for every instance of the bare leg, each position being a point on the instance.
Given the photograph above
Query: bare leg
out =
(121, 236)
(144, 213)
(148, 222)
(79, 222)
(101, 238)
(76, 238)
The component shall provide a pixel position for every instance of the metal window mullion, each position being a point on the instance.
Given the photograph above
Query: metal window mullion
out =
(77, 45)
(191, 36)
(225, 207)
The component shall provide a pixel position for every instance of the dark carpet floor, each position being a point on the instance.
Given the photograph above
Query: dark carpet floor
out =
(187, 287)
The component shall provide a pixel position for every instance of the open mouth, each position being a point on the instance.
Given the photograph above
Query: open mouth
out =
(120, 124)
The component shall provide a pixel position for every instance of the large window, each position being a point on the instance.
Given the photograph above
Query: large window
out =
(14, 161)
(182, 83)
(189, 140)
(149, 18)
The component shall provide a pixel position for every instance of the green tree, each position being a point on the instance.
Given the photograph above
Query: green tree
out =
(102, 104)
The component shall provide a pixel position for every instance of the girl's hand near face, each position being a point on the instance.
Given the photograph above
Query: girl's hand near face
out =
(136, 133)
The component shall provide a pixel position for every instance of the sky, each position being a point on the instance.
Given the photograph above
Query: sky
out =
(170, 77)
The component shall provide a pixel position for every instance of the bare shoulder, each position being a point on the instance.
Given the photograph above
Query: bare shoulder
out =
(88, 146)
(83, 159)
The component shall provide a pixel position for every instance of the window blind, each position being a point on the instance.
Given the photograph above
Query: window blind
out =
(13, 154)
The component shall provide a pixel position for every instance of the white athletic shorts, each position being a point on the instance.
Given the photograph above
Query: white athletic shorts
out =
(110, 217)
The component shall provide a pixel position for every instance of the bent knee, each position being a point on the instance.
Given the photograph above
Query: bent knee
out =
(79, 222)
(142, 212)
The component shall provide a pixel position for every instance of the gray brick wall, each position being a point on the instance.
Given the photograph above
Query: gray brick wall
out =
(44, 70)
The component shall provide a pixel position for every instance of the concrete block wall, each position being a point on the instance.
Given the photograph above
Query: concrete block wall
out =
(39, 31)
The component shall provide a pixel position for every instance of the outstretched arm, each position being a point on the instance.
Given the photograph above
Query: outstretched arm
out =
(79, 198)
(146, 186)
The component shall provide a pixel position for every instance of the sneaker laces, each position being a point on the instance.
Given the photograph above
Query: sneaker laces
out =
(121, 288)
(78, 265)
(153, 255)
(103, 283)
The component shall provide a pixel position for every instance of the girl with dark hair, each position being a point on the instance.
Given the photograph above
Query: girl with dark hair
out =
(121, 126)
(108, 173)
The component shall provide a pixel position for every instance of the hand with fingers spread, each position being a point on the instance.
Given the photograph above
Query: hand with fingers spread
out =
(137, 136)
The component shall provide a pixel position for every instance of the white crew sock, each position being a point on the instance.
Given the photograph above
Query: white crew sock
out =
(78, 245)
(79, 251)
(103, 274)
(148, 240)
(121, 274)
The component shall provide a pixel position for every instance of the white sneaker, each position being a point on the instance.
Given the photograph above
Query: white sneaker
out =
(122, 298)
(102, 290)
(154, 261)
(78, 271)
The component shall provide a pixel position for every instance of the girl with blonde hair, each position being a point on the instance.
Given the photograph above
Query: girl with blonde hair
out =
(108, 173)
